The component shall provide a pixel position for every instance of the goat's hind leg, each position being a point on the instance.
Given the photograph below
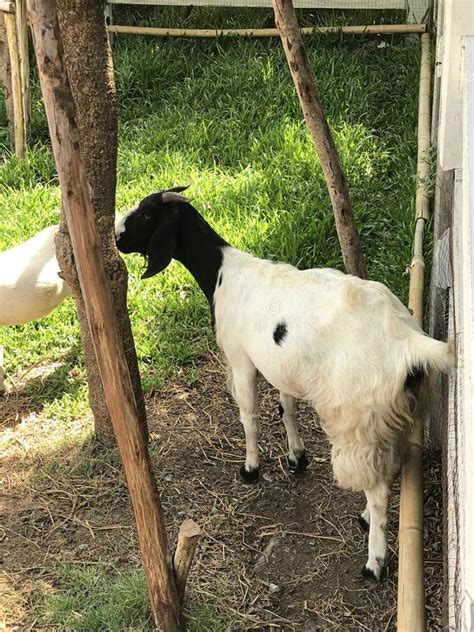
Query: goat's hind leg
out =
(377, 505)
(297, 459)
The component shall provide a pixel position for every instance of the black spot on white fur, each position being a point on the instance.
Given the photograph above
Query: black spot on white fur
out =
(249, 476)
(280, 333)
(281, 410)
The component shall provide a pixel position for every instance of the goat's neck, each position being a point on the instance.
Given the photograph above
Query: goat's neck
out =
(200, 250)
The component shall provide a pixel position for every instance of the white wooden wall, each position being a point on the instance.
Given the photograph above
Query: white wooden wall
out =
(455, 20)
(453, 130)
(461, 418)
(465, 285)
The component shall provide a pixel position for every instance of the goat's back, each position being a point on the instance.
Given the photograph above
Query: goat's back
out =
(321, 335)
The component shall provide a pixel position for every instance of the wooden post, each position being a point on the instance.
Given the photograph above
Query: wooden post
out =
(22, 37)
(17, 99)
(292, 41)
(85, 46)
(411, 583)
(101, 316)
(188, 538)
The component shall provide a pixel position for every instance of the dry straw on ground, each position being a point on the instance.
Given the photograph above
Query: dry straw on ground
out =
(284, 554)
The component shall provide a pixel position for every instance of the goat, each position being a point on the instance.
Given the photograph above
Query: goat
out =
(30, 285)
(346, 345)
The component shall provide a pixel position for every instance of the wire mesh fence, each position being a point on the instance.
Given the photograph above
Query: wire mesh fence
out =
(415, 11)
(447, 426)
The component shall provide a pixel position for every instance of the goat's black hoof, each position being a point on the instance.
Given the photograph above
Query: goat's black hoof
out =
(368, 573)
(298, 465)
(364, 525)
(249, 476)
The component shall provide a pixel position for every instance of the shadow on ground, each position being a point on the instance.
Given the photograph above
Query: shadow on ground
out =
(41, 384)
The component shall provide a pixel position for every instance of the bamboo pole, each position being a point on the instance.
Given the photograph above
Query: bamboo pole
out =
(7, 7)
(6, 80)
(22, 36)
(287, 24)
(411, 586)
(372, 29)
(101, 316)
(17, 99)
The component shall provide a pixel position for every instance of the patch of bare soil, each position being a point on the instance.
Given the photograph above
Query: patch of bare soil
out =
(283, 554)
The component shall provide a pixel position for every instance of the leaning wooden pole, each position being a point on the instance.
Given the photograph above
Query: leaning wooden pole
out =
(346, 227)
(101, 316)
(411, 584)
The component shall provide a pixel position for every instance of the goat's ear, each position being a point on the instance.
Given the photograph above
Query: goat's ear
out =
(160, 249)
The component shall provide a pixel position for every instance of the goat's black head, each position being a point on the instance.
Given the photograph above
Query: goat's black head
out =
(151, 229)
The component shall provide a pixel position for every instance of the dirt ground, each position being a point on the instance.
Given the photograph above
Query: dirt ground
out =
(283, 554)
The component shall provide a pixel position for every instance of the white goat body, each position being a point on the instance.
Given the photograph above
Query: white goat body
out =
(30, 285)
(348, 347)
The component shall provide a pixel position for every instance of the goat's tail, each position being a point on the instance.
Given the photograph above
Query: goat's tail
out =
(428, 356)
(432, 355)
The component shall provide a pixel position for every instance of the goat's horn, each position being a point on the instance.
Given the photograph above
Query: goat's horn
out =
(171, 196)
(178, 189)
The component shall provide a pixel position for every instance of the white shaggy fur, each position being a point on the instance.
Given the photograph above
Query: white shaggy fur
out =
(30, 285)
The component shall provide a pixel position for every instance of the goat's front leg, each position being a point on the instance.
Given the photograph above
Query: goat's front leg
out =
(377, 505)
(244, 389)
(297, 459)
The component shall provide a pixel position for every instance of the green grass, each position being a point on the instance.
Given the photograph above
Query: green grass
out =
(224, 114)
(91, 599)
